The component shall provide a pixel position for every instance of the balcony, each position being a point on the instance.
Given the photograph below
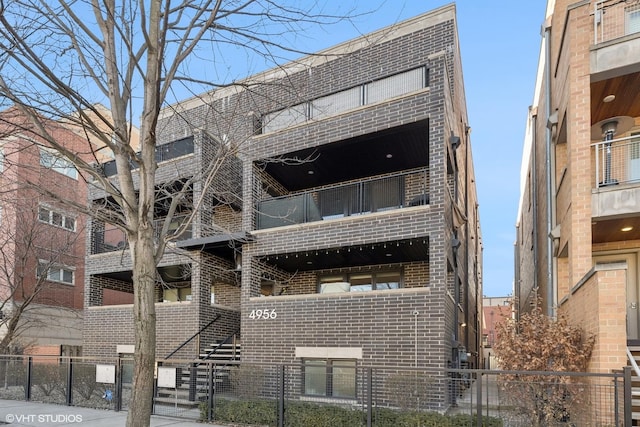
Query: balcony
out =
(360, 197)
(615, 201)
(108, 238)
(615, 19)
(617, 162)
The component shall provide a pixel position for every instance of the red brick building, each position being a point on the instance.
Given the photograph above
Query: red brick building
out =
(42, 237)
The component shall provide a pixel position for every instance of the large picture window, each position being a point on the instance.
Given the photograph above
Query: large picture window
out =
(330, 378)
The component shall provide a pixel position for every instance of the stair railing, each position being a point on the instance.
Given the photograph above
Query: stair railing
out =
(633, 362)
(197, 334)
(223, 342)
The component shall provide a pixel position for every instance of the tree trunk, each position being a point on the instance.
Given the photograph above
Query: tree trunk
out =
(144, 318)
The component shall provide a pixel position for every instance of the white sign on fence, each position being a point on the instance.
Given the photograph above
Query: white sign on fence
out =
(166, 377)
(106, 374)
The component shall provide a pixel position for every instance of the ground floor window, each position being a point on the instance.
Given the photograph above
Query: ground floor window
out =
(330, 378)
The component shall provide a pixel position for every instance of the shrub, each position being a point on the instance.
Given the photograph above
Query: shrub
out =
(540, 343)
(247, 381)
(49, 377)
(308, 414)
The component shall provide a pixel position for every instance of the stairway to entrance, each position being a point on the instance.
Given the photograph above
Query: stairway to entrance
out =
(634, 348)
(194, 381)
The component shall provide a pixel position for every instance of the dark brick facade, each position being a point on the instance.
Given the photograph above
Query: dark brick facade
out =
(416, 325)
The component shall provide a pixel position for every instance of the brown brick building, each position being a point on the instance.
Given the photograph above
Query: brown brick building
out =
(343, 223)
(578, 236)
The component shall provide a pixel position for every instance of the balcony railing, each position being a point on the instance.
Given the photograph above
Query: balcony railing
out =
(615, 19)
(109, 238)
(338, 201)
(617, 161)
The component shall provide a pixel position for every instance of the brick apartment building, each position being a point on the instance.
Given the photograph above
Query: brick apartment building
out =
(42, 240)
(578, 235)
(342, 226)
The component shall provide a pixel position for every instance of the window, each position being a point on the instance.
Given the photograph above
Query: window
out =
(330, 378)
(51, 160)
(55, 273)
(56, 218)
(1, 159)
(176, 294)
(632, 19)
(362, 282)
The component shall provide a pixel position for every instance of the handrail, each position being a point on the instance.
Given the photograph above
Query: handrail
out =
(633, 362)
(223, 342)
(193, 336)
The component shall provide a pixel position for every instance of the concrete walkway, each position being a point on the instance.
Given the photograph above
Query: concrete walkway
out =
(21, 413)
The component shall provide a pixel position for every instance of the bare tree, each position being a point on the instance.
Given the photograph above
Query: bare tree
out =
(58, 59)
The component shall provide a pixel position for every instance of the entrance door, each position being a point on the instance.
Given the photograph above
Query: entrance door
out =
(633, 299)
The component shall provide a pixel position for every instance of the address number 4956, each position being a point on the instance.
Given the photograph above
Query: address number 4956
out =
(263, 314)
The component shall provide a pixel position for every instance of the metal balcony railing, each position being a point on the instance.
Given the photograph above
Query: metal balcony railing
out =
(338, 201)
(615, 19)
(109, 238)
(617, 161)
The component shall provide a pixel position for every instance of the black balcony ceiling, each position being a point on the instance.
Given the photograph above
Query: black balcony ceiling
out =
(393, 252)
(400, 148)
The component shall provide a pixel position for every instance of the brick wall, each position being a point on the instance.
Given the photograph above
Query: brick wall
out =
(598, 306)
(382, 323)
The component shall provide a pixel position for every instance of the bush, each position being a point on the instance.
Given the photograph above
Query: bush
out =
(307, 414)
(49, 377)
(247, 381)
(314, 415)
(84, 381)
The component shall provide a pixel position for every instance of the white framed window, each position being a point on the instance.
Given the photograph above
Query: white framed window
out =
(56, 273)
(58, 219)
(1, 159)
(632, 19)
(51, 160)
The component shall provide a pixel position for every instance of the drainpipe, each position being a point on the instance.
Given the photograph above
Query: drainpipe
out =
(534, 195)
(455, 244)
(549, 169)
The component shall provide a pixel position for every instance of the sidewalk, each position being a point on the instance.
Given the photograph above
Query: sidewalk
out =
(21, 413)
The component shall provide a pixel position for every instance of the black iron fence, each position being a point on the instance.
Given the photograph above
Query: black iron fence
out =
(329, 393)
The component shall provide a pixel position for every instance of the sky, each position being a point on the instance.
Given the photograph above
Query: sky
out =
(500, 44)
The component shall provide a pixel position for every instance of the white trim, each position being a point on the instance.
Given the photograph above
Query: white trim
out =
(125, 348)
(329, 352)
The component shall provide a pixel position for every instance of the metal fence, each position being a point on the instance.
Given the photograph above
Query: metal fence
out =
(341, 200)
(324, 394)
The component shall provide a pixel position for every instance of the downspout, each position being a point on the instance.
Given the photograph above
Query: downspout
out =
(549, 169)
(455, 244)
(534, 195)
(468, 321)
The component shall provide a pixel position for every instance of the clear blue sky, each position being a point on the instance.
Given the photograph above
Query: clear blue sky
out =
(499, 43)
